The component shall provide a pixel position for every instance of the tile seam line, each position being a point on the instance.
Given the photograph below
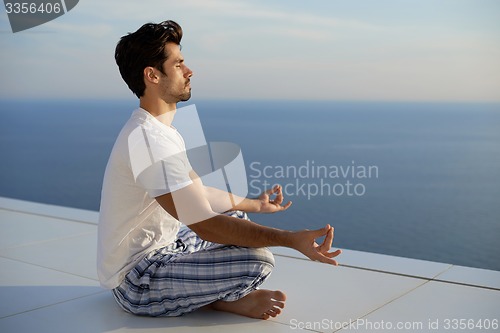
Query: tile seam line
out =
(383, 305)
(437, 279)
(45, 241)
(467, 284)
(48, 215)
(398, 297)
(363, 268)
(288, 325)
(406, 275)
(49, 268)
(53, 304)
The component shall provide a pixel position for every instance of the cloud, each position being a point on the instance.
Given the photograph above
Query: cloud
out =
(257, 49)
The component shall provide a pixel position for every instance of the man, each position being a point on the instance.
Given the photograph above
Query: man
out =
(155, 265)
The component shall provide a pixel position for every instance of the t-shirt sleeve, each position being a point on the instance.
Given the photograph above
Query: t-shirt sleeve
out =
(165, 176)
(160, 165)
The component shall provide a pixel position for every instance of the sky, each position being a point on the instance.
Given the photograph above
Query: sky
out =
(360, 50)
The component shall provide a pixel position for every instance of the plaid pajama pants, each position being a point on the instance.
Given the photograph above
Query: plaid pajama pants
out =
(192, 273)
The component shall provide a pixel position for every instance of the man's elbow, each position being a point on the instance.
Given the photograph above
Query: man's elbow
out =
(205, 230)
(187, 205)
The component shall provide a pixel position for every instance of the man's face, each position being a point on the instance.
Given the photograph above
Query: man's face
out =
(174, 84)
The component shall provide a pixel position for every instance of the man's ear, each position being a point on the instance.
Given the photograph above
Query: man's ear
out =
(150, 75)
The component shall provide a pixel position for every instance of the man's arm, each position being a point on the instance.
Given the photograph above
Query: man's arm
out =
(223, 201)
(190, 206)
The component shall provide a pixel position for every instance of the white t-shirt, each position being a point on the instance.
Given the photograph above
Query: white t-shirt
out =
(148, 160)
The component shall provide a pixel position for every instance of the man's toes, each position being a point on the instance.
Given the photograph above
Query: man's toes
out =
(279, 296)
(272, 313)
(277, 304)
(276, 310)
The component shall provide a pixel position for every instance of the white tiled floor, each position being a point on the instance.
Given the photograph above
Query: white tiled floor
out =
(33, 287)
(48, 284)
(472, 276)
(66, 213)
(36, 229)
(316, 291)
(99, 313)
(74, 255)
(383, 263)
(440, 302)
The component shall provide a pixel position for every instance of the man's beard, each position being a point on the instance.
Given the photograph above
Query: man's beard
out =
(177, 97)
(169, 94)
(185, 97)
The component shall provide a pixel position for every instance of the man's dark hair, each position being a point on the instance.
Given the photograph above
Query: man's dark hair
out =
(144, 48)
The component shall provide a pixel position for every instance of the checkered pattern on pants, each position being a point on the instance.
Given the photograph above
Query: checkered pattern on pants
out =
(190, 274)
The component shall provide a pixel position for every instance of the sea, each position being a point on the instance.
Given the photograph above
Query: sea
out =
(411, 179)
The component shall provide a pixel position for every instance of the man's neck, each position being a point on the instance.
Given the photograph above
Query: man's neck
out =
(159, 109)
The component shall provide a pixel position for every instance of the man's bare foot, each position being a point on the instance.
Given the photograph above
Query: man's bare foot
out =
(260, 304)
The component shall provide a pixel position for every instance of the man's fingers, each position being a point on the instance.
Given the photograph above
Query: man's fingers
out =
(327, 242)
(272, 190)
(326, 260)
(278, 199)
(320, 232)
(320, 252)
(279, 195)
(332, 254)
(288, 204)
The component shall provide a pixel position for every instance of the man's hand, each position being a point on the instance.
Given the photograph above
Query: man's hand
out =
(272, 206)
(304, 241)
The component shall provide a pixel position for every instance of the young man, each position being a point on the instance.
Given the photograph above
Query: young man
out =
(164, 246)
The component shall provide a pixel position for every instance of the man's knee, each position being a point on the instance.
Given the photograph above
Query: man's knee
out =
(262, 256)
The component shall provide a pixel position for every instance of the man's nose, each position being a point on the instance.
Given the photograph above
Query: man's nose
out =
(188, 72)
